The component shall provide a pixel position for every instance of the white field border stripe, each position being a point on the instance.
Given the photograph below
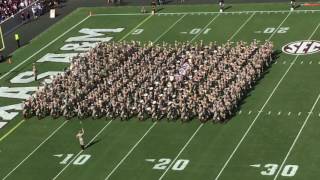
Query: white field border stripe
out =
(302, 127)
(151, 127)
(180, 152)
(200, 126)
(143, 21)
(156, 40)
(204, 28)
(261, 110)
(131, 150)
(65, 167)
(35, 150)
(44, 47)
(245, 23)
(206, 12)
(297, 137)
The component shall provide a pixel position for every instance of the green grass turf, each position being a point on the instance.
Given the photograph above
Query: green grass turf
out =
(121, 148)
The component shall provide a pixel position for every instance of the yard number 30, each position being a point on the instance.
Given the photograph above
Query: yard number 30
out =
(288, 170)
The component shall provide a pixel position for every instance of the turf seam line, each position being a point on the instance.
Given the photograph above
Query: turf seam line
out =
(305, 122)
(204, 13)
(44, 47)
(54, 132)
(257, 116)
(181, 151)
(130, 151)
(11, 130)
(66, 166)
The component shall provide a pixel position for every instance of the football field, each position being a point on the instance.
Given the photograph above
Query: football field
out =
(274, 134)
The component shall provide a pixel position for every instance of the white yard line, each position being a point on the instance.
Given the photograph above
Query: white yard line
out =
(204, 28)
(264, 105)
(245, 23)
(297, 137)
(153, 124)
(44, 47)
(181, 151)
(274, 32)
(156, 40)
(27, 60)
(66, 166)
(130, 151)
(35, 149)
(130, 32)
(303, 125)
(201, 125)
(125, 36)
(201, 13)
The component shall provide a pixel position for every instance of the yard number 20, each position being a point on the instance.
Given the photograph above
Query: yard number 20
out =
(179, 165)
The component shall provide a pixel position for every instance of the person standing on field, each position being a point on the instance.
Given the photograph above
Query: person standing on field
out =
(79, 136)
(35, 72)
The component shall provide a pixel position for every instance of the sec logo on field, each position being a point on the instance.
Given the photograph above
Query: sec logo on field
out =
(302, 47)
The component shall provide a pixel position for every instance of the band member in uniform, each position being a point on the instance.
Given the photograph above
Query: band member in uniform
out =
(293, 4)
(154, 6)
(221, 5)
(34, 71)
(79, 136)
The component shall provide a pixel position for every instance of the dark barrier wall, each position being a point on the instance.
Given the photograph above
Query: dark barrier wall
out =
(14, 22)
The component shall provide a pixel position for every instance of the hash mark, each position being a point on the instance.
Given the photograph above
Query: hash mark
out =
(269, 112)
(284, 62)
(301, 62)
(249, 112)
(310, 62)
(289, 113)
(279, 113)
(299, 113)
(240, 112)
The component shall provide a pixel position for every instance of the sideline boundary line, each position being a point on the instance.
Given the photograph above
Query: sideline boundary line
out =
(44, 47)
(53, 133)
(206, 12)
(11, 130)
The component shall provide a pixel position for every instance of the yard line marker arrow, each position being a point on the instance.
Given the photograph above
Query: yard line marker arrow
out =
(58, 155)
(150, 160)
(256, 165)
